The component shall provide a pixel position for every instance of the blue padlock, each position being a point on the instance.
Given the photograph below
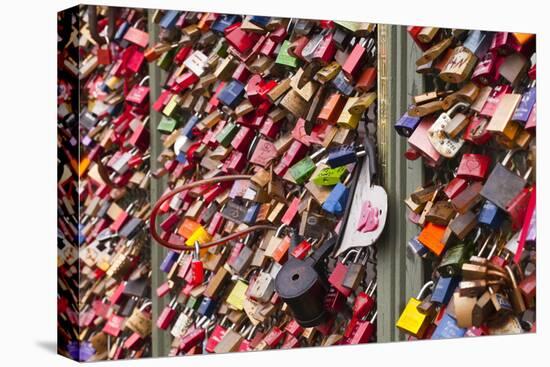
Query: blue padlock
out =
(443, 290)
(478, 42)
(225, 21)
(406, 125)
(417, 247)
(341, 156)
(448, 329)
(121, 31)
(169, 19)
(342, 84)
(337, 199)
(207, 307)
(169, 261)
(181, 158)
(260, 21)
(490, 215)
(232, 94)
(187, 129)
(252, 213)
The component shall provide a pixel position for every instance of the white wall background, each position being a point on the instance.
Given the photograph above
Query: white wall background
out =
(28, 189)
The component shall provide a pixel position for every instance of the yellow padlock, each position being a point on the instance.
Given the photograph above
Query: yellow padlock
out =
(236, 298)
(347, 119)
(200, 235)
(412, 321)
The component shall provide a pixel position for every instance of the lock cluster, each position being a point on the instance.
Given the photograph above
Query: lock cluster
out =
(474, 130)
(265, 129)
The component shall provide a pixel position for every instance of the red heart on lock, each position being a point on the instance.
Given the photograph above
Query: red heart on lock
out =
(473, 166)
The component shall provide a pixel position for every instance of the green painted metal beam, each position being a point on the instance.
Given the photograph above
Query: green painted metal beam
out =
(160, 338)
(399, 274)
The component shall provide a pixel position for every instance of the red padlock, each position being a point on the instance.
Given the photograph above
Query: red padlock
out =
(517, 208)
(324, 53)
(114, 326)
(355, 60)
(196, 275)
(215, 338)
(293, 328)
(364, 302)
(473, 166)
(364, 331)
(167, 315)
(476, 131)
(455, 187)
(193, 337)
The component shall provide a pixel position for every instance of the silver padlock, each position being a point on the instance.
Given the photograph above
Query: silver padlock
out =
(438, 136)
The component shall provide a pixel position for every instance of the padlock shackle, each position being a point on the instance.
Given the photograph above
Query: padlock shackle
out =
(182, 247)
(424, 288)
(352, 251)
(513, 280)
(451, 111)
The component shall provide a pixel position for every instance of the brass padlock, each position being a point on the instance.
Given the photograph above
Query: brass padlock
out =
(459, 66)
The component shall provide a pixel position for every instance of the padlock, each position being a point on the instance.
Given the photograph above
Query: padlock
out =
(459, 66)
(355, 272)
(412, 321)
(140, 321)
(473, 166)
(406, 125)
(453, 258)
(440, 138)
(478, 42)
(500, 195)
(363, 331)
(419, 140)
(338, 275)
(431, 237)
(167, 315)
(364, 302)
(448, 328)
(444, 290)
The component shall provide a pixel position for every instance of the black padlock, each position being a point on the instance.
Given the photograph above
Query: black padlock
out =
(303, 286)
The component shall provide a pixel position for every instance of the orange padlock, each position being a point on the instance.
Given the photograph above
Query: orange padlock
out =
(431, 237)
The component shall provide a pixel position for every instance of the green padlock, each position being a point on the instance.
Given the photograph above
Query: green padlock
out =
(227, 134)
(165, 61)
(167, 125)
(283, 58)
(193, 303)
(302, 170)
(172, 107)
(330, 176)
(220, 48)
(453, 258)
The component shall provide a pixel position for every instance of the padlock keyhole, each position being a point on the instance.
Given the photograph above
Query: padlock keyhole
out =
(296, 277)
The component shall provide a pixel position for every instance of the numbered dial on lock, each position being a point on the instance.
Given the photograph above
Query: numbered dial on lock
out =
(441, 136)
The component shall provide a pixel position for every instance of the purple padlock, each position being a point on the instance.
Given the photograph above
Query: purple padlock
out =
(168, 262)
(525, 107)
